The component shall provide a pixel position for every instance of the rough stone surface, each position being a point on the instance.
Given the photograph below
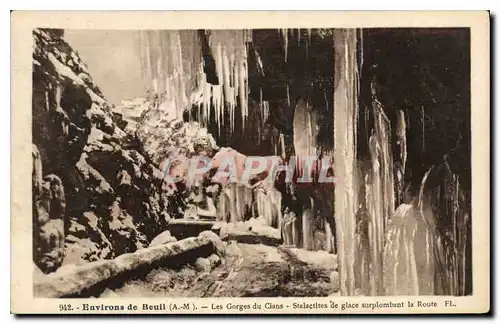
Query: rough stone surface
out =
(163, 238)
(214, 260)
(220, 248)
(202, 265)
(93, 184)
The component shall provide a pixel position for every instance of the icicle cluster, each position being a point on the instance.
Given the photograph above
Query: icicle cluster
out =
(379, 198)
(173, 62)
(345, 127)
(238, 202)
(234, 203)
(289, 33)
(305, 131)
(445, 212)
(426, 255)
(408, 256)
(230, 52)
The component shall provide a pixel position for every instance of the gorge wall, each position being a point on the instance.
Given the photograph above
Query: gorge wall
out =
(95, 193)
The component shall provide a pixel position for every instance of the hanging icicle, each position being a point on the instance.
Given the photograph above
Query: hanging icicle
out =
(282, 145)
(345, 125)
(423, 128)
(443, 208)
(265, 111)
(408, 255)
(260, 66)
(401, 142)
(230, 48)
(288, 94)
(383, 138)
(304, 134)
(284, 33)
(173, 62)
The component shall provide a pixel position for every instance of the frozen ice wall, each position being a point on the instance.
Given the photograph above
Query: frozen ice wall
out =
(173, 61)
(345, 123)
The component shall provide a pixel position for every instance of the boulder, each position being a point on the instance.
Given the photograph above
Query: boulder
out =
(203, 265)
(219, 246)
(163, 238)
(108, 293)
(214, 260)
(49, 210)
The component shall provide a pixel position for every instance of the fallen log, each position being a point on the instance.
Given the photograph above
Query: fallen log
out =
(72, 281)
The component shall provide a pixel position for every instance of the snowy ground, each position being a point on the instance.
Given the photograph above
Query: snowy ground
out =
(249, 270)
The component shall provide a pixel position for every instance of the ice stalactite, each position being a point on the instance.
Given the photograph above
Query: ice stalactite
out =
(408, 255)
(383, 138)
(423, 128)
(307, 229)
(426, 250)
(174, 64)
(284, 33)
(377, 205)
(305, 131)
(443, 207)
(400, 168)
(308, 42)
(282, 145)
(373, 198)
(235, 202)
(268, 205)
(229, 48)
(239, 202)
(264, 109)
(260, 66)
(172, 60)
(288, 94)
(287, 231)
(345, 128)
(329, 245)
(47, 101)
(361, 50)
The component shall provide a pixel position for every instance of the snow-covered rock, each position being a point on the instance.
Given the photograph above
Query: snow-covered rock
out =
(163, 238)
(109, 196)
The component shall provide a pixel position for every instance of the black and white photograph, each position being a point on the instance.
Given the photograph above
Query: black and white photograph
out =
(237, 163)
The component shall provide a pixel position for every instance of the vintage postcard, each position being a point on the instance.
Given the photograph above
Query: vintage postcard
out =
(250, 162)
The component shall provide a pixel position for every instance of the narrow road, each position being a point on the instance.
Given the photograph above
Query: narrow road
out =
(250, 270)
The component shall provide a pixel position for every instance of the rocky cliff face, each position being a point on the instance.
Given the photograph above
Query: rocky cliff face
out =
(96, 194)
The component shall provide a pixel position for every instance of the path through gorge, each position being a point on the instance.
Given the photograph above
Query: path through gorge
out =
(251, 270)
